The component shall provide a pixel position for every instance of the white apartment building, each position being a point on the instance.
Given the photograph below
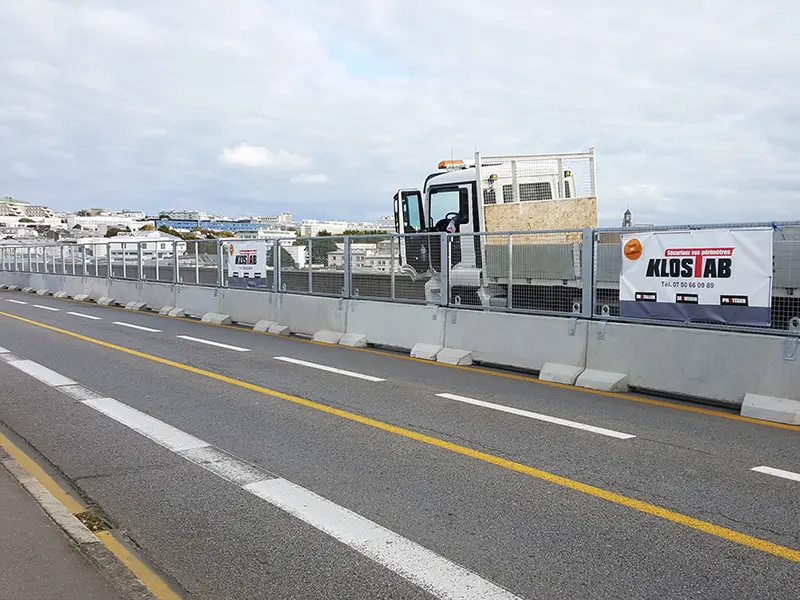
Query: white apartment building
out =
(285, 218)
(99, 221)
(265, 234)
(386, 223)
(372, 257)
(188, 215)
(299, 254)
(136, 215)
(154, 244)
(11, 207)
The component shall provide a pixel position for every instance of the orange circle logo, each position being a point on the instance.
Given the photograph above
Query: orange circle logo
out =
(230, 249)
(633, 249)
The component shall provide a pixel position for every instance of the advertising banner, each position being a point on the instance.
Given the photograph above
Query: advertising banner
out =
(710, 275)
(247, 263)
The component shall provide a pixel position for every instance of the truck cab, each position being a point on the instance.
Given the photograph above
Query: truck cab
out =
(471, 200)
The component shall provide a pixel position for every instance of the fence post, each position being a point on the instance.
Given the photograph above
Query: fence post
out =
(140, 260)
(587, 274)
(391, 262)
(510, 287)
(197, 263)
(592, 174)
(220, 272)
(175, 263)
(310, 265)
(444, 269)
(108, 260)
(63, 260)
(347, 268)
(276, 265)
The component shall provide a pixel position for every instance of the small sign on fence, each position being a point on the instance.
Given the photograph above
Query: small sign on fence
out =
(247, 263)
(706, 275)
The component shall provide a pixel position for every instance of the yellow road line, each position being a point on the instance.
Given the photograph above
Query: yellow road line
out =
(644, 507)
(145, 574)
(41, 475)
(515, 376)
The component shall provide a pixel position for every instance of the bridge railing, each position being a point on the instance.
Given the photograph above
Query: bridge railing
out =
(574, 273)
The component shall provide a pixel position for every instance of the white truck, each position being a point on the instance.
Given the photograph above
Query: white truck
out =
(480, 202)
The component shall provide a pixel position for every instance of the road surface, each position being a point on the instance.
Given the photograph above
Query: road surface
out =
(246, 465)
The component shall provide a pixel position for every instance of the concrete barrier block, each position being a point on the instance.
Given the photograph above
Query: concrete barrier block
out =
(263, 325)
(326, 336)
(604, 381)
(177, 312)
(43, 292)
(454, 356)
(559, 373)
(770, 408)
(60, 295)
(81, 297)
(13, 288)
(207, 318)
(282, 330)
(220, 319)
(353, 340)
(425, 351)
(165, 310)
(136, 306)
(27, 290)
(3, 286)
(105, 301)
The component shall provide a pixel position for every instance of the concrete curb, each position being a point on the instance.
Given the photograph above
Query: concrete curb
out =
(216, 319)
(61, 295)
(81, 297)
(165, 310)
(28, 290)
(105, 301)
(108, 565)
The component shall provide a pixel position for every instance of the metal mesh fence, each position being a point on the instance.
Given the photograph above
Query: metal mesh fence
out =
(785, 303)
(510, 179)
(198, 262)
(326, 265)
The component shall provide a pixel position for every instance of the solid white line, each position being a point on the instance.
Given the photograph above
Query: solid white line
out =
(326, 368)
(85, 316)
(778, 473)
(210, 343)
(47, 308)
(41, 373)
(14, 301)
(539, 417)
(150, 427)
(3, 350)
(132, 326)
(433, 573)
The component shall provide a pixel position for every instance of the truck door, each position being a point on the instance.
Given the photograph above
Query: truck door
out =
(409, 218)
(452, 209)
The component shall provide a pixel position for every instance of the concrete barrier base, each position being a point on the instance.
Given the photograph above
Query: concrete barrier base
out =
(557, 373)
(27, 290)
(165, 310)
(136, 306)
(105, 301)
(81, 297)
(454, 356)
(769, 408)
(425, 351)
(177, 312)
(276, 329)
(604, 381)
(60, 295)
(43, 292)
(353, 340)
(13, 288)
(326, 336)
(263, 325)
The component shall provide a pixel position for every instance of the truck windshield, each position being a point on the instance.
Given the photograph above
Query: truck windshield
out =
(449, 200)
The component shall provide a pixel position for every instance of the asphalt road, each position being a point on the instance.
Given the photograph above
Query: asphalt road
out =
(364, 474)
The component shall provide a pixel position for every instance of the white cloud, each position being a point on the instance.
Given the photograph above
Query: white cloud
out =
(258, 157)
(309, 179)
(693, 103)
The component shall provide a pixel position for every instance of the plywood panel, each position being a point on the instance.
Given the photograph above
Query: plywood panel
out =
(576, 213)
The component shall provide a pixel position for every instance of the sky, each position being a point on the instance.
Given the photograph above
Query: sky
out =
(324, 109)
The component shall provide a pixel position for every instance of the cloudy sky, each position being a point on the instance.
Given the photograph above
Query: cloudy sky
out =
(325, 108)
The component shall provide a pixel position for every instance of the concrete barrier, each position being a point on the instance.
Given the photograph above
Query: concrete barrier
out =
(216, 319)
(165, 311)
(603, 381)
(43, 292)
(308, 314)
(81, 297)
(454, 356)
(195, 300)
(396, 325)
(263, 325)
(353, 340)
(248, 306)
(716, 365)
(426, 351)
(557, 373)
(105, 301)
(326, 336)
(523, 341)
(135, 306)
(768, 408)
(276, 329)
(27, 290)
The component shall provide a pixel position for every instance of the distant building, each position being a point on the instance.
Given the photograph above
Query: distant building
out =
(386, 223)
(312, 227)
(264, 234)
(11, 207)
(96, 222)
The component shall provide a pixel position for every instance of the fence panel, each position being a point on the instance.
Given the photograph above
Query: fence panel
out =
(785, 277)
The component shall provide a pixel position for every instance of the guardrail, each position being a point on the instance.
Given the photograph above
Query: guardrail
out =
(571, 273)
